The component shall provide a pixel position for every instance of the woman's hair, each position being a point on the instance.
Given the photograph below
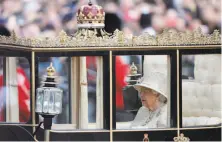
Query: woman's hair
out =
(162, 99)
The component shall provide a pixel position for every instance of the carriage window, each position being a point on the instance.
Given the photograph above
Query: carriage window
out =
(81, 79)
(201, 90)
(14, 89)
(142, 91)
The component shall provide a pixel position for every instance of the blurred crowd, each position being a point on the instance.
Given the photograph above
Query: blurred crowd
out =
(32, 18)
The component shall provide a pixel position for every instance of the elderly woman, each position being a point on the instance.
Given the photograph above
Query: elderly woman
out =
(153, 113)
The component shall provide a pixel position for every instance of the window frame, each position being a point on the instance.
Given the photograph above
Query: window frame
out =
(106, 78)
(216, 50)
(173, 81)
(25, 54)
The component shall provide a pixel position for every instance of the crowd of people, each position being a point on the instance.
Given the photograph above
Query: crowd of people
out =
(32, 18)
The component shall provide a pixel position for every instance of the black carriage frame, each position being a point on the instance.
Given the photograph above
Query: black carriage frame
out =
(110, 133)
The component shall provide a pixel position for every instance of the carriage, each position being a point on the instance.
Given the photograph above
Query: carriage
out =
(96, 69)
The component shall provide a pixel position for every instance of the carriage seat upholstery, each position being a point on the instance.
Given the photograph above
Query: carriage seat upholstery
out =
(201, 97)
(201, 103)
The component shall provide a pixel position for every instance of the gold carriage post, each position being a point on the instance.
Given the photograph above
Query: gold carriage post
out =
(91, 37)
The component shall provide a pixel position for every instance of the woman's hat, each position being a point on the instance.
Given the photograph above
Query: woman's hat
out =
(155, 69)
(154, 81)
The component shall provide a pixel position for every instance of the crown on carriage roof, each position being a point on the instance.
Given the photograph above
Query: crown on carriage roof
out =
(91, 16)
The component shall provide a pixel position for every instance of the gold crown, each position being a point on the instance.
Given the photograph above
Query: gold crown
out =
(50, 70)
(90, 14)
(133, 69)
(181, 138)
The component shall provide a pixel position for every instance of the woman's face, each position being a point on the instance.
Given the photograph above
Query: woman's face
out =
(148, 98)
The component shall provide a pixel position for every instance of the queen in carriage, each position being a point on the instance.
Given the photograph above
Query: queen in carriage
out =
(152, 91)
(153, 113)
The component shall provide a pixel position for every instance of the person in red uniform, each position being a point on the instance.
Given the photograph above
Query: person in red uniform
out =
(23, 96)
(121, 72)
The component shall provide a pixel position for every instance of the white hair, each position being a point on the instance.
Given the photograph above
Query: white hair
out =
(162, 99)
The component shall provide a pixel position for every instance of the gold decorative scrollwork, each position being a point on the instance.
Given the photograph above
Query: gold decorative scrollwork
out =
(87, 38)
(181, 138)
(63, 37)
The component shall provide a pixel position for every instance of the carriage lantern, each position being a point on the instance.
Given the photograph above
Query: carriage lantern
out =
(49, 98)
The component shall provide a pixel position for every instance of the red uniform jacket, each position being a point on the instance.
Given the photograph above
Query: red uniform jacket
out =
(121, 72)
(24, 96)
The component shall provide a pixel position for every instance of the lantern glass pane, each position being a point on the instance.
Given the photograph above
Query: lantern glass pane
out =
(39, 100)
(51, 101)
(58, 101)
(46, 101)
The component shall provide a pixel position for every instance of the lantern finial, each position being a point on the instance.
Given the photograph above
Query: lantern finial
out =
(133, 74)
(133, 69)
(51, 70)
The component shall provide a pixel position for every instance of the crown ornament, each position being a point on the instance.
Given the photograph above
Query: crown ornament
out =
(181, 138)
(91, 16)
